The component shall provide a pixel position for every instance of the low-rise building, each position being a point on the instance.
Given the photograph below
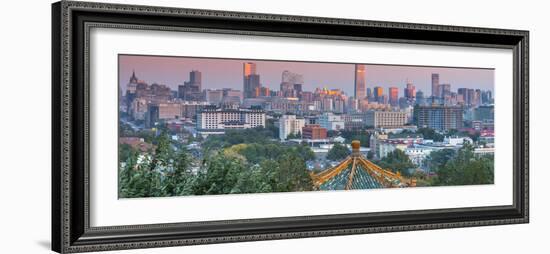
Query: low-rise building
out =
(214, 120)
(314, 131)
(417, 155)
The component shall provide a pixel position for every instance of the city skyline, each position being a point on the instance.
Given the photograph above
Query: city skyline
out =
(247, 126)
(228, 73)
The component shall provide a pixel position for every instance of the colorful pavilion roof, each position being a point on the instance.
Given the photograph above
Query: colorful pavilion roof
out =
(356, 172)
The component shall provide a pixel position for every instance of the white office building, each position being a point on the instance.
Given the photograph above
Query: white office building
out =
(289, 124)
(212, 120)
(331, 121)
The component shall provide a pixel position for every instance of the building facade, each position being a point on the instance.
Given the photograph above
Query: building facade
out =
(439, 117)
(381, 119)
(314, 131)
(289, 124)
(191, 90)
(212, 119)
(331, 121)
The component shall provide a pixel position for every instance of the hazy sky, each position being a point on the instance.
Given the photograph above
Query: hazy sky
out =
(228, 73)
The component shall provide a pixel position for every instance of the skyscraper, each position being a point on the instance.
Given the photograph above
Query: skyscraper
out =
(360, 83)
(291, 84)
(249, 69)
(465, 96)
(378, 92)
(444, 90)
(195, 77)
(410, 91)
(192, 89)
(251, 80)
(420, 100)
(435, 85)
(369, 93)
(394, 95)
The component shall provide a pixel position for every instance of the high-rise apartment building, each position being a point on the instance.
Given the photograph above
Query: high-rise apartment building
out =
(289, 124)
(439, 117)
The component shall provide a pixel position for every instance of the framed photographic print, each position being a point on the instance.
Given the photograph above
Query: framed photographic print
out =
(181, 126)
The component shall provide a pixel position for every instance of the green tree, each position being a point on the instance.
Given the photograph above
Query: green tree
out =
(219, 175)
(370, 155)
(294, 136)
(466, 169)
(291, 174)
(254, 180)
(397, 161)
(428, 133)
(180, 181)
(361, 135)
(304, 151)
(338, 152)
(438, 159)
(140, 181)
(163, 153)
(124, 152)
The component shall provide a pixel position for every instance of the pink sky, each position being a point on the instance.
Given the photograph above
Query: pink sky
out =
(228, 73)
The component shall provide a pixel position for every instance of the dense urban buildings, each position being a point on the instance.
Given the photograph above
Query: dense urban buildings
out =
(191, 90)
(268, 111)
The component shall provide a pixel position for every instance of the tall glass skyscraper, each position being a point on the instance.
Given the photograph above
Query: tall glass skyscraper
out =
(251, 80)
(360, 82)
(435, 85)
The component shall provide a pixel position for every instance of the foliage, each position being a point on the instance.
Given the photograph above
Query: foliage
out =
(125, 130)
(240, 168)
(124, 152)
(370, 155)
(294, 136)
(233, 137)
(361, 135)
(219, 176)
(397, 161)
(338, 152)
(429, 133)
(466, 169)
(438, 159)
